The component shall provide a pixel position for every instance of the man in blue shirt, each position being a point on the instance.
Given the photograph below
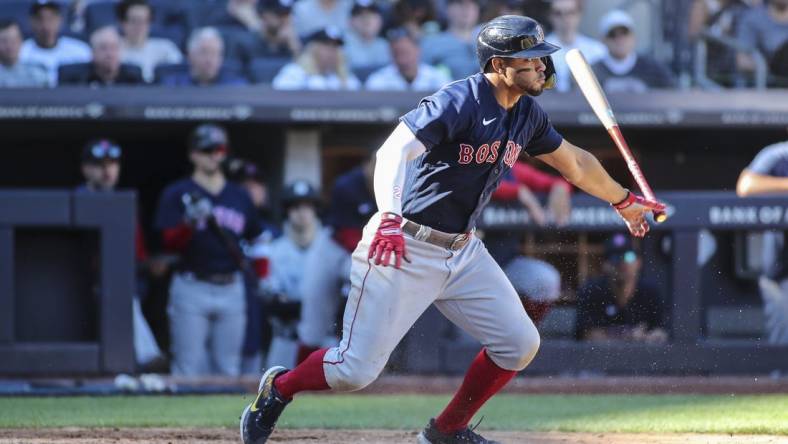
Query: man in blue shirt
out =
(203, 218)
(433, 176)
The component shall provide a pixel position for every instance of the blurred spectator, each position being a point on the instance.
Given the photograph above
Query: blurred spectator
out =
(204, 218)
(537, 283)
(277, 37)
(765, 28)
(363, 45)
(13, 72)
(101, 170)
(310, 16)
(288, 253)
(138, 48)
(565, 18)
(105, 69)
(258, 250)
(767, 174)
(620, 304)
(720, 18)
(622, 69)
(205, 52)
(47, 47)
(407, 72)
(417, 16)
(327, 284)
(240, 14)
(321, 66)
(455, 48)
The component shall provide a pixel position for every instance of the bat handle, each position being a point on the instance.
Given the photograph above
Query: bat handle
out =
(634, 168)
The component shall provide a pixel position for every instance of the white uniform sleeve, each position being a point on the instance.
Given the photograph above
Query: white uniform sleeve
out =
(392, 158)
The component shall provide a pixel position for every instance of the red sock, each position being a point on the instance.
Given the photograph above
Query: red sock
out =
(308, 375)
(482, 380)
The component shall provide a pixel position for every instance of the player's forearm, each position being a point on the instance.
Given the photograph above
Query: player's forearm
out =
(390, 166)
(751, 184)
(592, 178)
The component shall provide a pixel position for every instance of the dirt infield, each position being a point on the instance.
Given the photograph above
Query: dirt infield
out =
(228, 436)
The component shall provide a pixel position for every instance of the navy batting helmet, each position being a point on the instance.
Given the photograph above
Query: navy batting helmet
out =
(515, 37)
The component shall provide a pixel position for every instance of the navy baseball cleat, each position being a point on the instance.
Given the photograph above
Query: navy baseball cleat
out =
(259, 417)
(431, 435)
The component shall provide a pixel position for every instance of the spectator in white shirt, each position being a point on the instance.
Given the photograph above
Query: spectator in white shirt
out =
(363, 45)
(138, 48)
(13, 73)
(321, 66)
(407, 72)
(565, 18)
(47, 48)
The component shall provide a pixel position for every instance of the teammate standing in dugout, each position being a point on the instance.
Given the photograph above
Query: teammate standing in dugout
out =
(434, 174)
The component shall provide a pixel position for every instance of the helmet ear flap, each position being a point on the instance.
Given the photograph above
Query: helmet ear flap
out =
(549, 72)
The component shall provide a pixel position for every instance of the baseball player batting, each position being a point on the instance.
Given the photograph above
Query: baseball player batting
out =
(433, 176)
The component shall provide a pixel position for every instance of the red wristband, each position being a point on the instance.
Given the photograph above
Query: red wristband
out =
(628, 200)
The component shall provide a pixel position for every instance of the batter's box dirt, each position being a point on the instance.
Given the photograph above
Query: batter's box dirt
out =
(314, 436)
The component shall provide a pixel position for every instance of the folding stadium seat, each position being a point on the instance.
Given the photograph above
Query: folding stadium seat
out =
(363, 72)
(264, 69)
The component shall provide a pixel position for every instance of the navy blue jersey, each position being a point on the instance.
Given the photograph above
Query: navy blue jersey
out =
(234, 213)
(352, 203)
(471, 143)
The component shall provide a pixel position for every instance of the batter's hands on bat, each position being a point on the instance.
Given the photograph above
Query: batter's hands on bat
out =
(388, 240)
(633, 210)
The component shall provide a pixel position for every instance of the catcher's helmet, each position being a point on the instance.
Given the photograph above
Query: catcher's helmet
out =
(515, 37)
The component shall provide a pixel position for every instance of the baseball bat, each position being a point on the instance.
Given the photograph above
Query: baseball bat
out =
(595, 96)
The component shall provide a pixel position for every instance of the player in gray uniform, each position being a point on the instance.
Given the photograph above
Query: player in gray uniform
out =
(768, 174)
(287, 255)
(433, 176)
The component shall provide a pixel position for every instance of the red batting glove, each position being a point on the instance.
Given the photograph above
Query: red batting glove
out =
(632, 210)
(388, 239)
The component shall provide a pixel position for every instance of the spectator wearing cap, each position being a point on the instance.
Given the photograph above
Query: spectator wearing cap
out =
(407, 72)
(622, 69)
(282, 287)
(310, 16)
(238, 14)
(138, 47)
(101, 170)
(277, 36)
(321, 66)
(106, 68)
(765, 28)
(13, 72)
(620, 304)
(204, 218)
(47, 47)
(363, 45)
(565, 16)
(455, 48)
(205, 53)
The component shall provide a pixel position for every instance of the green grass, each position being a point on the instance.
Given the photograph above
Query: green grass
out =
(763, 414)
